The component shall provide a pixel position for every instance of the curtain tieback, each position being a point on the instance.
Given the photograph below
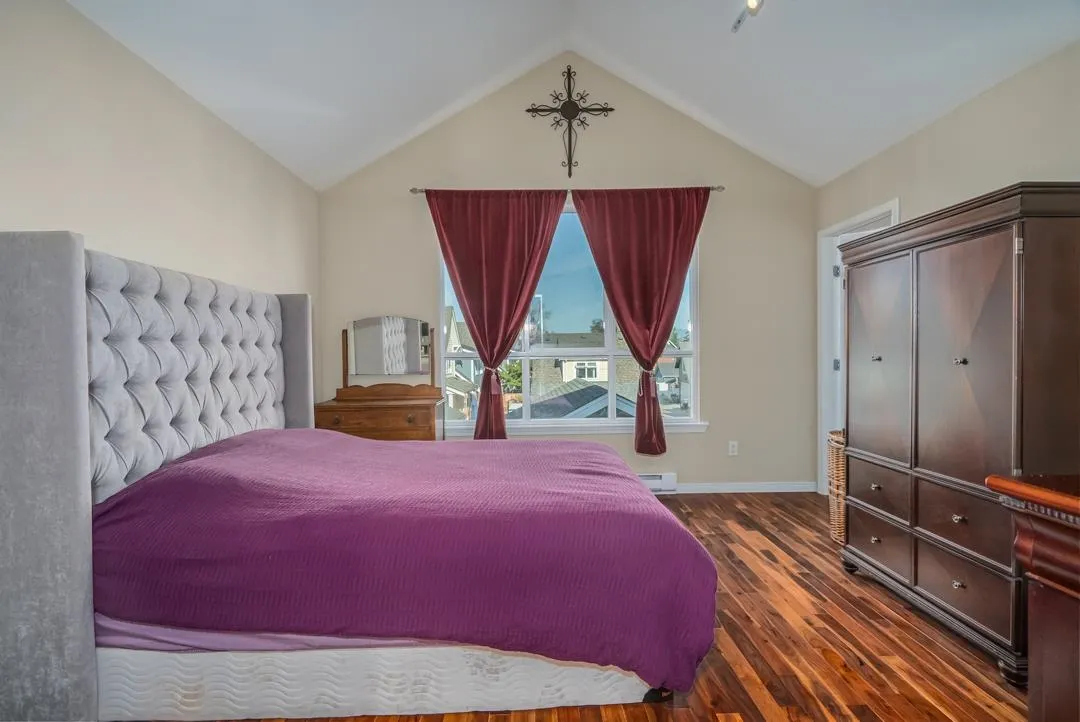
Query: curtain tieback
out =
(496, 380)
(652, 376)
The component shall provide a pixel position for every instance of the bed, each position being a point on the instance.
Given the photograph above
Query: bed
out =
(157, 425)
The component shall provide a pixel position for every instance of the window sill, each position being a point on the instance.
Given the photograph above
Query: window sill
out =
(562, 428)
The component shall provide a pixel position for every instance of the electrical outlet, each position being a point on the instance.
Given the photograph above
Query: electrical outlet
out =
(733, 448)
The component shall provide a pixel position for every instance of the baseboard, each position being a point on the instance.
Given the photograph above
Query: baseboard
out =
(747, 487)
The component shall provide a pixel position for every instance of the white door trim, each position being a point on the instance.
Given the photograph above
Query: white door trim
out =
(830, 329)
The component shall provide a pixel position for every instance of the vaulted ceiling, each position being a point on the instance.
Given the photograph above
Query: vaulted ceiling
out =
(813, 86)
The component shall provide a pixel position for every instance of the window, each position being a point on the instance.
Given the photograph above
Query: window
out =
(570, 366)
(585, 369)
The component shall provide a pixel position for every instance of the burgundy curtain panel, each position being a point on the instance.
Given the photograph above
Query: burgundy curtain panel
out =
(494, 244)
(643, 240)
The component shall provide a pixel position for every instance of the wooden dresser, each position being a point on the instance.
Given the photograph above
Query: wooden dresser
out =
(1047, 513)
(390, 412)
(962, 354)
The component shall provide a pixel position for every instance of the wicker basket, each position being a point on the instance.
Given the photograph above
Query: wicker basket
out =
(837, 486)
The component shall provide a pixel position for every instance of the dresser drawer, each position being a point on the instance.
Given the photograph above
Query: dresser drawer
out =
(371, 419)
(977, 593)
(410, 434)
(882, 541)
(881, 488)
(976, 524)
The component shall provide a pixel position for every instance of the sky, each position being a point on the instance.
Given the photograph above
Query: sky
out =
(573, 294)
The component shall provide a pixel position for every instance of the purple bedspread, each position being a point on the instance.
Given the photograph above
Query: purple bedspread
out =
(548, 547)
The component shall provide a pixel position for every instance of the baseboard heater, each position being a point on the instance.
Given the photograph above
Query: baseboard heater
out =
(662, 483)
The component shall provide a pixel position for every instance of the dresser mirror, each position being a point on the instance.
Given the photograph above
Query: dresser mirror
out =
(388, 346)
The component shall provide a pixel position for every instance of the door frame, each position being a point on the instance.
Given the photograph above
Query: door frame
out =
(831, 321)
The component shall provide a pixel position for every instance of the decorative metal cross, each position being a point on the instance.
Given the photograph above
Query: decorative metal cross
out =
(571, 110)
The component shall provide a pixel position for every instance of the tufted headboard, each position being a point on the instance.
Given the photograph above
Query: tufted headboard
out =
(109, 369)
(175, 362)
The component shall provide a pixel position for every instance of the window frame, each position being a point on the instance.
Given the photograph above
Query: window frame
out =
(609, 351)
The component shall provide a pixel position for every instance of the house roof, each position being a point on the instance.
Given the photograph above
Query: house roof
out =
(465, 337)
(591, 339)
(328, 86)
(563, 399)
(460, 385)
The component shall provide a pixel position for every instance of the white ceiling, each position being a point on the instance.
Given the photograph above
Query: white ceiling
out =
(814, 86)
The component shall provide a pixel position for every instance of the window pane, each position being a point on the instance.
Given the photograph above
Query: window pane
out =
(627, 373)
(512, 398)
(461, 387)
(455, 330)
(681, 333)
(672, 386)
(568, 388)
(568, 308)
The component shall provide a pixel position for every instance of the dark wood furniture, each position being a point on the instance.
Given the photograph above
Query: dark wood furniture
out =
(389, 412)
(1047, 514)
(963, 348)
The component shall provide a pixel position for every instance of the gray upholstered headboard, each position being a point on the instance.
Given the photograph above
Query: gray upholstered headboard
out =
(108, 369)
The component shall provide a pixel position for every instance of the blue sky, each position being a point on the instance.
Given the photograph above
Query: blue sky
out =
(572, 292)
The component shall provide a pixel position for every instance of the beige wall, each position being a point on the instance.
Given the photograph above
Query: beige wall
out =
(380, 255)
(93, 140)
(1025, 128)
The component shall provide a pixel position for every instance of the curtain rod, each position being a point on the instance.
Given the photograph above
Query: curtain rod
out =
(714, 189)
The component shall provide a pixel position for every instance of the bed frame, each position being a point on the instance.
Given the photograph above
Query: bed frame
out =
(109, 369)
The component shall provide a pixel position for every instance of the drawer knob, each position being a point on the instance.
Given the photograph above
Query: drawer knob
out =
(875, 540)
(959, 362)
(409, 419)
(336, 421)
(957, 584)
(875, 487)
(875, 357)
(958, 518)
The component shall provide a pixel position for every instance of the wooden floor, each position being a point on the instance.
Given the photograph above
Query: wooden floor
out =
(799, 639)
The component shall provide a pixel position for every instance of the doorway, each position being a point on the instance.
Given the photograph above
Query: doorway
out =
(832, 321)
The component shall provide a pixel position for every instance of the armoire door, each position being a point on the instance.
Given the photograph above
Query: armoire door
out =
(964, 357)
(879, 358)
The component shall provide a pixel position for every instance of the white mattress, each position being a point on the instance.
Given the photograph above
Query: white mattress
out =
(140, 684)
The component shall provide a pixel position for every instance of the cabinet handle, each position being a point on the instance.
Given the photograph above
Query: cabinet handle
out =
(958, 518)
(875, 540)
(875, 357)
(336, 421)
(959, 362)
(409, 419)
(957, 584)
(875, 487)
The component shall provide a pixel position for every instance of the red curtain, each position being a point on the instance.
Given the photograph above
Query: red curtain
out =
(494, 244)
(643, 240)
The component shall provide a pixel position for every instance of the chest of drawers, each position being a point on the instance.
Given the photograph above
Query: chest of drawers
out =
(387, 412)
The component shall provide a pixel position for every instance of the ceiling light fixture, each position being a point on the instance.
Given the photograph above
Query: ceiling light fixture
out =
(753, 7)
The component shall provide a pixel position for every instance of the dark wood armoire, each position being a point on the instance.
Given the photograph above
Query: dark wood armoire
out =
(963, 358)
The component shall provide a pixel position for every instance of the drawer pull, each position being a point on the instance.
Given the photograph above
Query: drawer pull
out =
(957, 584)
(875, 357)
(336, 421)
(959, 362)
(409, 419)
(958, 518)
(875, 487)
(875, 540)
